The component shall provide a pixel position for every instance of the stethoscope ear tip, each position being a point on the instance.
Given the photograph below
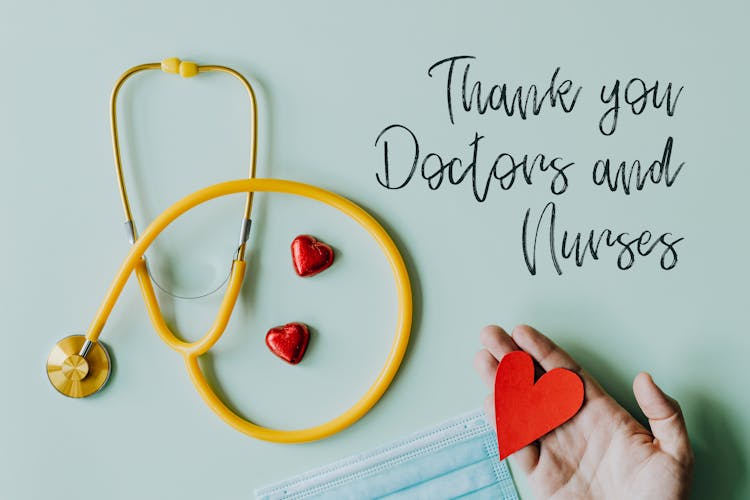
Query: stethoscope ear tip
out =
(77, 368)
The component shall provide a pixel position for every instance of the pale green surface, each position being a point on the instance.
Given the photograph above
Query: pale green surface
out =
(330, 76)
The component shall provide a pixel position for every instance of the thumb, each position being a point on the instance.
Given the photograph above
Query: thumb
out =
(664, 416)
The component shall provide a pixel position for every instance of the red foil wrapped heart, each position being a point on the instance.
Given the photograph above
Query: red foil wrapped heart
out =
(310, 256)
(289, 341)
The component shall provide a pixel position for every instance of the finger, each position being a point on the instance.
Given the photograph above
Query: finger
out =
(497, 341)
(497, 344)
(542, 349)
(485, 365)
(550, 356)
(664, 416)
(489, 411)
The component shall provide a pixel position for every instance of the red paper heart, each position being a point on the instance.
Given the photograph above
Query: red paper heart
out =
(310, 256)
(526, 411)
(289, 341)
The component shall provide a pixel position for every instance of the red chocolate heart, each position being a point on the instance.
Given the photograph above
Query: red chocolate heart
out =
(289, 341)
(310, 256)
(526, 411)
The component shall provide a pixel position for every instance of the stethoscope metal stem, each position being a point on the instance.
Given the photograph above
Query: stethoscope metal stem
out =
(85, 348)
(186, 70)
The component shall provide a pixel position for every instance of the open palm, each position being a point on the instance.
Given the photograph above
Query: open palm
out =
(602, 452)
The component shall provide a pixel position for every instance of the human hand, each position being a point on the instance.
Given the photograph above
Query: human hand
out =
(602, 452)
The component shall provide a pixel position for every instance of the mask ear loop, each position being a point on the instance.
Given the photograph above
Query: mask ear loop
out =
(185, 69)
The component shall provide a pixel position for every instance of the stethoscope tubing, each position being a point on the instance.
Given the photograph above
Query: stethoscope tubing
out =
(191, 351)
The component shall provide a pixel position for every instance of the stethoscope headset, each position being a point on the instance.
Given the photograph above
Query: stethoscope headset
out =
(79, 365)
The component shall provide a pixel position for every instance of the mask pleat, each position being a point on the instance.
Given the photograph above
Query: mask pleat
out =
(457, 459)
(451, 483)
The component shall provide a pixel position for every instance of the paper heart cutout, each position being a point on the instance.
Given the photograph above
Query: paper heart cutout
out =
(289, 341)
(310, 256)
(526, 411)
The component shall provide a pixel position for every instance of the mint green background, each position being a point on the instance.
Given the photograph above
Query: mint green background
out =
(330, 75)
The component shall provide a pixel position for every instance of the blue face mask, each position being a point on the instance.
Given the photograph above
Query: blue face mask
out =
(456, 459)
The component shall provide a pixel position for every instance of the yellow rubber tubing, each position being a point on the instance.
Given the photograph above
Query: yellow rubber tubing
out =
(226, 307)
(191, 351)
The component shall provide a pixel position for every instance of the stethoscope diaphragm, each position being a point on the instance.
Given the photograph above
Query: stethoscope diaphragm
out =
(74, 375)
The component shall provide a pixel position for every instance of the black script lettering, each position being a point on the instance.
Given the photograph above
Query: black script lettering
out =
(623, 177)
(501, 97)
(436, 168)
(636, 95)
(576, 246)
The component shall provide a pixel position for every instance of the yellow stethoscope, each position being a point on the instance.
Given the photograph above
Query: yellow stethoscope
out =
(79, 365)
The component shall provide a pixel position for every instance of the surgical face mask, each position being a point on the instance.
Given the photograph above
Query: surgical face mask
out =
(456, 459)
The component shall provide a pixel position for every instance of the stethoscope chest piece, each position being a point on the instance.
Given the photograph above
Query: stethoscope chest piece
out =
(74, 375)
